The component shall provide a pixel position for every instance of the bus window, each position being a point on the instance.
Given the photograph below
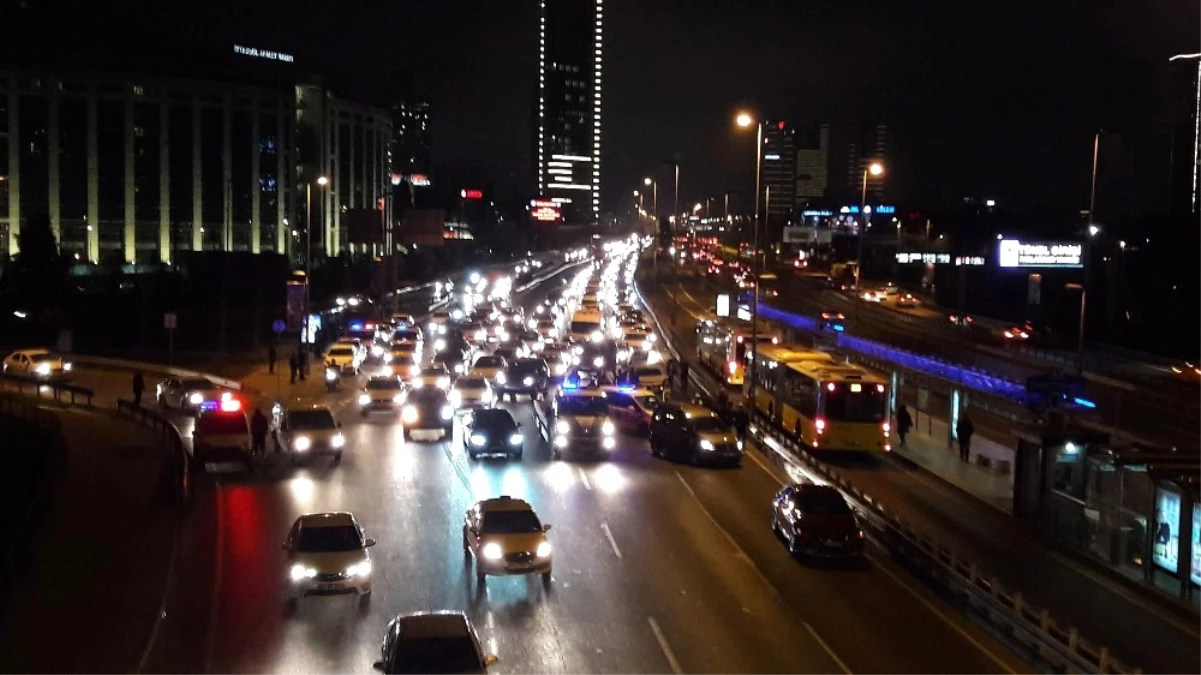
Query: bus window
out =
(869, 404)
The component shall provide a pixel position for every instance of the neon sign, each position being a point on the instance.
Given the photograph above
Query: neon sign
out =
(263, 54)
(471, 194)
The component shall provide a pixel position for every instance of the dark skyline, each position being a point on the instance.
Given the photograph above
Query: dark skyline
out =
(999, 101)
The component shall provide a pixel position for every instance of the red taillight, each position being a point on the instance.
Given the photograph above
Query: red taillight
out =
(775, 341)
(880, 388)
(733, 366)
(739, 339)
(886, 426)
(230, 405)
(821, 425)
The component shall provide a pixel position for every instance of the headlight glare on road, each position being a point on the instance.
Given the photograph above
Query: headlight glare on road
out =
(364, 399)
(516, 439)
(408, 415)
(478, 439)
(492, 552)
(302, 443)
(337, 441)
(607, 428)
(706, 445)
(361, 569)
(448, 412)
(543, 550)
(299, 572)
(195, 398)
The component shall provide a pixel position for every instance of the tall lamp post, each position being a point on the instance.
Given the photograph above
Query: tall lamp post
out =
(1093, 229)
(745, 120)
(875, 169)
(322, 181)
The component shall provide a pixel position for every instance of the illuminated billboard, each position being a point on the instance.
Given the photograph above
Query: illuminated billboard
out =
(1013, 253)
(471, 194)
(545, 211)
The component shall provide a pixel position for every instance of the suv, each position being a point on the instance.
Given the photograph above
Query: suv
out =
(307, 431)
(694, 433)
(580, 419)
(504, 536)
(328, 556)
(524, 376)
(222, 434)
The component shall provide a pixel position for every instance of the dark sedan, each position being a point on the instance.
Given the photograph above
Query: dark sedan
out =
(815, 520)
(427, 411)
(524, 376)
(492, 432)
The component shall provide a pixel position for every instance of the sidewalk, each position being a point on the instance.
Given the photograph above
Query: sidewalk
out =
(101, 557)
(278, 386)
(926, 446)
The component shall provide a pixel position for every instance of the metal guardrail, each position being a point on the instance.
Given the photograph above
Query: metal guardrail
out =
(175, 484)
(1040, 638)
(59, 391)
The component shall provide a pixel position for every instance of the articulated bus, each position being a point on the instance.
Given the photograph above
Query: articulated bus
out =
(721, 345)
(825, 404)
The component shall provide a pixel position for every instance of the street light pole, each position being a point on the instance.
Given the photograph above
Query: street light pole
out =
(308, 249)
(677, 196)
(1092, 231)
(744, 120)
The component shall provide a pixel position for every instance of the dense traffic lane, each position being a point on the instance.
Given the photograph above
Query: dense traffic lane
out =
(1139, 629)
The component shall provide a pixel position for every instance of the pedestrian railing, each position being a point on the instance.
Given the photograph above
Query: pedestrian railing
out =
(1029, 630)
(59, 391)
(175, 485)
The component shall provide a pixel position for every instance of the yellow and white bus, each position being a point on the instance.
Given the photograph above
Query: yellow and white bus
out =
(722, 346)
(825, 404)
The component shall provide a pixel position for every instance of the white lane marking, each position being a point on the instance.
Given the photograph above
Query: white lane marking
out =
(666, 648)
(937, 612)
(612, 541)
(826, 647)
(584, 480)
(738, 550)
(216, 592)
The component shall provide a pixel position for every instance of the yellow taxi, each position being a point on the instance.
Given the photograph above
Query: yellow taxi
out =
(504, 537)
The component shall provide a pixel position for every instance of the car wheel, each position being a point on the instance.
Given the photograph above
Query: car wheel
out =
(695, 458)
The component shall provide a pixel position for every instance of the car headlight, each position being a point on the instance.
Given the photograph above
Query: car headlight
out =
(377, 350)
(652, 337)
(560, 369)
(597, 336)
(477, 439)
(447, 412)
(67, 366)
(433, 326)
(330, 375)
(500, 378)
(195, 398)
(408, 415)
(459, 368)
(609, 442)
(359, 569)
(486, 396)
(516, 439)
(337, 441)
(443, 382)
(599, 362)
(418, 383)
(560, 441)
(492, 551)
(299, 572)
(364, 399)
(543, 550)
(646, 346)
(706, 445)
(528, 381)
(481, 335)
(455, 397)
(386, 370)
(439, 344)
(302, 443)
(43, 369)
(607, 428)
(739, 445)
(399, 398)
(562, 426)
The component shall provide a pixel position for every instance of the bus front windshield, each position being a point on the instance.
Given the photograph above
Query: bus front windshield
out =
(843, 404)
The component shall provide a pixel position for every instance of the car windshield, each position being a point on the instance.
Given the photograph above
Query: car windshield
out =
(500, 420)
(455, 654)
(470, 383)
(197, 384)
(647, 401)
(384, 383)
(39, 358)
(823, 502)
(526, 366)
(511, 522)
(341, 351)
(709, 423)
(328, 539)
(649, 372)
(406, 335)
(490, 362)
(222, 424)
(424, 396)
(587, 406)
(310, 419)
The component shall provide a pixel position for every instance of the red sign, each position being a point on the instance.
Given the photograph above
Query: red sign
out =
(545, 213)
(472, 194)
(419, 180)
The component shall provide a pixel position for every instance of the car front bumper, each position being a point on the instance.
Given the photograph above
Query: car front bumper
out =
(505, 567)
(330, 586)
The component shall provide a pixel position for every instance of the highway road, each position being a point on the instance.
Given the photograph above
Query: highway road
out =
(659, 568)
(1139, 629)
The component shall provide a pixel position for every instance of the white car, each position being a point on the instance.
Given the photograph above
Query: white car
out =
(327, 555)
(36, 363)
(489, 367)
(354, 343)
(471, 391)
(432, 376)
(382, 393)
(343, 357)
(650, 376)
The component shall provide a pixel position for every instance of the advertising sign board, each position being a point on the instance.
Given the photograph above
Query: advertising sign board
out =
(1013, 253)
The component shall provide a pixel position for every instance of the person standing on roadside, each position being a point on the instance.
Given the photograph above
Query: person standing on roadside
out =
(258, 433)
(741, 422)
(271, 358)
(302, 363)
(964, 430)
(904, 423)
(683, 376)
(139, 386)
(293, 365)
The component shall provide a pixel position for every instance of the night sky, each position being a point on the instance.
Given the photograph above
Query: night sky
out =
(983, 99)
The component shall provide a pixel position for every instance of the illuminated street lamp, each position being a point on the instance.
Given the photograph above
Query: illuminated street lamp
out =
(745, 120)
(322, 181)
(875, 169)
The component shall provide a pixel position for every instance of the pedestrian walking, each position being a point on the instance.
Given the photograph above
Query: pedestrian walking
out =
(673, 367)
(258, 433)
(271, 359)
(904, 423)
(741, 422)
(139, 386)
(683, 376)
(302, 364)
(964, 430)
(294, 365)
